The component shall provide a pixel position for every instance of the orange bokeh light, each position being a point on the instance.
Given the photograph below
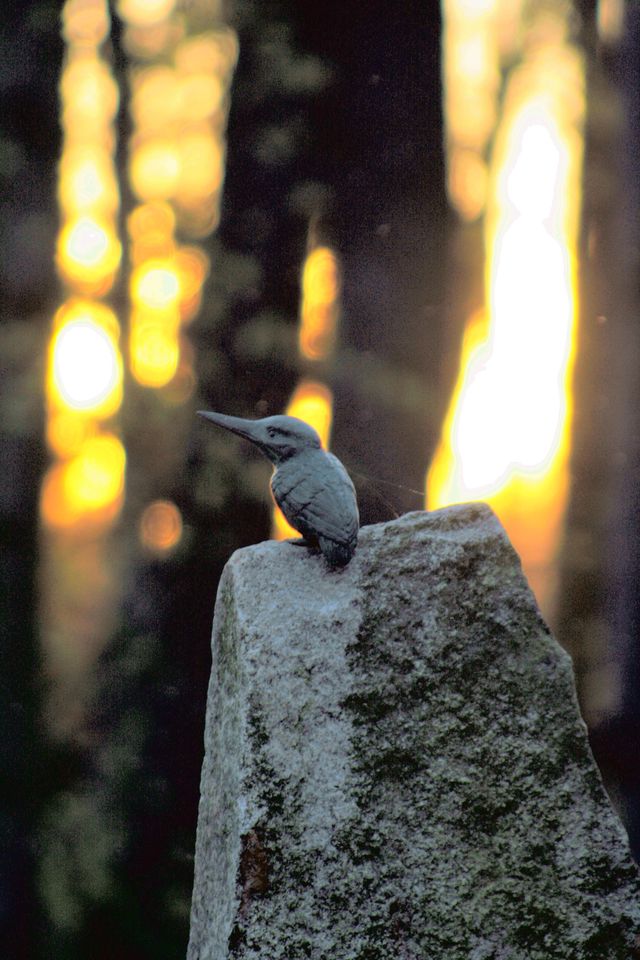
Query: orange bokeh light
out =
(154, 346)
(87, 182)
(160, 527)
(201, 166)
(145, 13)
(86, 488)
(84, 366)
(85, 23)
(319, 308)
(213, 52)
(155, 169)
(90, 98)
(179, 100)
(156, 284)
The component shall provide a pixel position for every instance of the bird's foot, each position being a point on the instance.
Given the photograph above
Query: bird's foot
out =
(302, 542)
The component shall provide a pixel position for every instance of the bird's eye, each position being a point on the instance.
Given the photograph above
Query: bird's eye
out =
(271, 431)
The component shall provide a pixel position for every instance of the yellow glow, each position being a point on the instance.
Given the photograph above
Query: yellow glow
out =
(145, 13)
(156, 99)
(468, 179)
(154, 347)
(201, 95)
(155, 169)
(193, 265)
(313, 403)
(506, 435)
(87, 183)
(151, 218)
(86, 365)
(156, 284)
(89, 95)
(86, 242)
(215, 52)
(183, 383)
(151, 229)
(160, 528)
(319, 307)
(471, 80)
(201, 167)
(475, 8)
(153, 41)
(82, 491)
(88, 255)
(95, 478)
(179, 86)
(66, 432)
(85, 22)
(87, 487)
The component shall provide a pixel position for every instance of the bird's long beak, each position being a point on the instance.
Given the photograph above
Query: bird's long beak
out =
(250, 429)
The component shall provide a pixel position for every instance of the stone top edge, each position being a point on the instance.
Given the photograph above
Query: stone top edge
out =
(464, 522)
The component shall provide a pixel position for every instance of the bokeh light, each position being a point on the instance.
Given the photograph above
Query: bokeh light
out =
(85, 23)
(320, 304)
(88, 255)
(86, 490)
(154, 346)
(156, 284)
(155, 169)
(179, 100)
(312, 402)
(160, 527)
(145, 13)
(85, 483)
(86, 365)
(506, 435)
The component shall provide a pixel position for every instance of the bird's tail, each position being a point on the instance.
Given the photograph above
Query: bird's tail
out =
(336, 554)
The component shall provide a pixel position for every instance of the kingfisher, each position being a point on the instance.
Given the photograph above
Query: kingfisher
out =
(310, 485)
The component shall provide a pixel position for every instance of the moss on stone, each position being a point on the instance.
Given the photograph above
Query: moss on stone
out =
(409, 749)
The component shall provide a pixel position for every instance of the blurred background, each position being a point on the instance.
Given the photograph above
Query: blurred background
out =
(413, 224)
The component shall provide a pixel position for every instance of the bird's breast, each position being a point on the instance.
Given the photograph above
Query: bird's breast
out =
(317, 496)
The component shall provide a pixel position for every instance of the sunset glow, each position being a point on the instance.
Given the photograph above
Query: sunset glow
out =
(506, 435)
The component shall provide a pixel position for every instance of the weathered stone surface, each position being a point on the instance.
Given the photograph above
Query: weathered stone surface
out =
(396, 768)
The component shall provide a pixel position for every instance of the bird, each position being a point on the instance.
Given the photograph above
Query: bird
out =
(310, 485)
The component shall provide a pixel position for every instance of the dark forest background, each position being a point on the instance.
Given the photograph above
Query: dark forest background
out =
(336, 118)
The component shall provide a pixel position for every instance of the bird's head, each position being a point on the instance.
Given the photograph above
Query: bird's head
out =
(279, 438)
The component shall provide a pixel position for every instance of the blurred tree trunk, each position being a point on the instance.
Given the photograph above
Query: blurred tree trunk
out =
(30, 64)
(378, 145)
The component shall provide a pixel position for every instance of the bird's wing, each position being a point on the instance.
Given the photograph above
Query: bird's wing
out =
(318, 498)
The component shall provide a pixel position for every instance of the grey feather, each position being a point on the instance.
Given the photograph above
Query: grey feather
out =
(311, 486)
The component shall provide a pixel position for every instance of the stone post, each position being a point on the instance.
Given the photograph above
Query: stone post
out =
(396, 767)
